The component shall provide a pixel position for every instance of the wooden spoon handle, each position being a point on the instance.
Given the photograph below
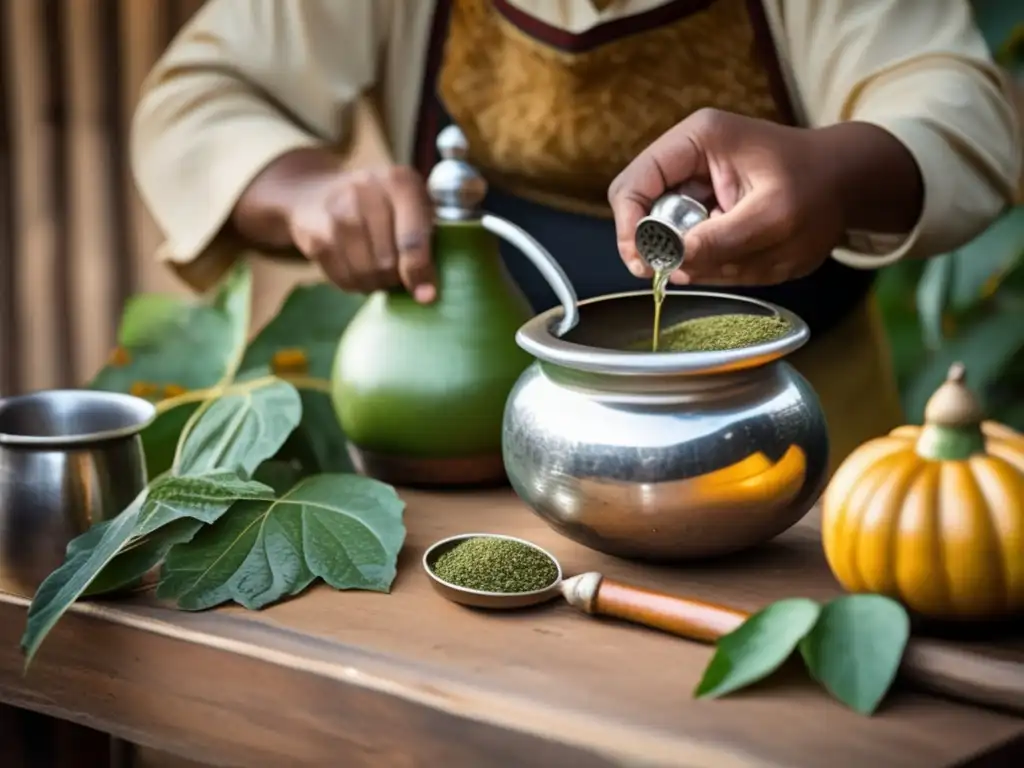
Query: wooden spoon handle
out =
(685, 617)
(934, 665)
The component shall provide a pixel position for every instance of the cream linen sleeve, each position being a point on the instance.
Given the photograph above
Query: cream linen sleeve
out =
(921, 70)
(243, 83)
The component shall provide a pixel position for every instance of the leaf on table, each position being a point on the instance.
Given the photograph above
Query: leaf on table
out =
(985, 349)
(757, 647)
(982, 263)
(299, 344)
(140, 556)
(856, 647)
(203, 498)
(344, 529)
(932, 297)
(241, 429)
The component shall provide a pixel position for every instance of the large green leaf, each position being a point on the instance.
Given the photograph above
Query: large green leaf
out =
(203, 498)
(980, 264)
(932, 296)
(856, 647)
(139, 556)
(241, 429)
(757, 647)
(234, 299)
(160, 438)
(193, 347)
(173, 351)
(149, 317)
(195, 354)
(985, 348)
(344, 529)
(299, 344)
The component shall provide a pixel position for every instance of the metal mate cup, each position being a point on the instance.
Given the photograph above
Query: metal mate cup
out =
(68, 460)
(659, 235)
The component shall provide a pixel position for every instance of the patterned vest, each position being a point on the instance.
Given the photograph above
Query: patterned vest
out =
(553, 116)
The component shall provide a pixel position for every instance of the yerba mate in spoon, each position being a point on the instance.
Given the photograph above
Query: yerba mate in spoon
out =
(501, 563)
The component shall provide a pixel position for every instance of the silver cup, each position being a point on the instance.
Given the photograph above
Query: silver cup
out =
(68, 459)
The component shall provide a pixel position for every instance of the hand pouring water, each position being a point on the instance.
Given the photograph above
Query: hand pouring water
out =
(659, 235)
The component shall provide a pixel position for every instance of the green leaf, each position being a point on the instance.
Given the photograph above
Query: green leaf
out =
(987, 258)
(202, 498)
(308, 326)
(344, 529)
(234, 299)
(200, 348)
(160, 438)
(757, 647)
(856, 647)
(139, 556)
(985, 348)
(148, 317)
(241, 429)
(932, 296)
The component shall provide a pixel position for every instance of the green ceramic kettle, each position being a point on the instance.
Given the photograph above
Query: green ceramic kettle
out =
(420, 390)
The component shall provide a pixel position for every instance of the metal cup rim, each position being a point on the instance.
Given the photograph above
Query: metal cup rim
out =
(144, 408)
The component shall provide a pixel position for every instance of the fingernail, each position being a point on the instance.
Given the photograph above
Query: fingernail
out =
(637, 268)
(424, 294)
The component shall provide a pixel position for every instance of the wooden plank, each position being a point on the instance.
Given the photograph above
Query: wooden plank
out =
(332, 677)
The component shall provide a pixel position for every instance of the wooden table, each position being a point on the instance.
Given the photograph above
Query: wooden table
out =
(363, 679)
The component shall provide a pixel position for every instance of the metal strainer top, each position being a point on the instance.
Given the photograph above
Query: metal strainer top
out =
(659, 235)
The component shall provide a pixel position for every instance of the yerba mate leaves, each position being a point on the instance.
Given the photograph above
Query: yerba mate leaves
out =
(299, 345)
(344, 529)
(758, 647)
(175, 352)
(178, 347)
(202, 498)
(856, 647)
(241, 429)
(853, 646)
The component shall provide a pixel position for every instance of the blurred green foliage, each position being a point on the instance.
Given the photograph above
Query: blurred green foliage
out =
(967, 305)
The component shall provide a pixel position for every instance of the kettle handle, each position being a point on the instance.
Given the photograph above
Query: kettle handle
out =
(545, 264)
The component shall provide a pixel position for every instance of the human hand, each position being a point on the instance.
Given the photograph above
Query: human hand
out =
(780, 202)
(368, 230)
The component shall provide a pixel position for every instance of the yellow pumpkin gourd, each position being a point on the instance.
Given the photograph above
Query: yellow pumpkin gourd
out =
(933, 515)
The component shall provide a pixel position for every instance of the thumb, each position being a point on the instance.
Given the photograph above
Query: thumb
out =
(754, 224)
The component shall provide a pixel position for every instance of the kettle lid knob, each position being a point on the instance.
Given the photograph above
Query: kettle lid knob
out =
(456, 188)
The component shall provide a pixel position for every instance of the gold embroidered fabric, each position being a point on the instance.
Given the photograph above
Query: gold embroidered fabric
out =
(557, 126)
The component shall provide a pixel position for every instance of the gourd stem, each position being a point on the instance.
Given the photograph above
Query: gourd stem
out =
(952, 421)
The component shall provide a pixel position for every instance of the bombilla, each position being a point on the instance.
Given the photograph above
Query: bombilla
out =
(659, 234)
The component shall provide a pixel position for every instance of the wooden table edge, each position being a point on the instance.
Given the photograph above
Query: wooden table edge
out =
(354, 666)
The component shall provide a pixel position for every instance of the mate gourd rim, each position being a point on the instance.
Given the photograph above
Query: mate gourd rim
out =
(608, 325)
